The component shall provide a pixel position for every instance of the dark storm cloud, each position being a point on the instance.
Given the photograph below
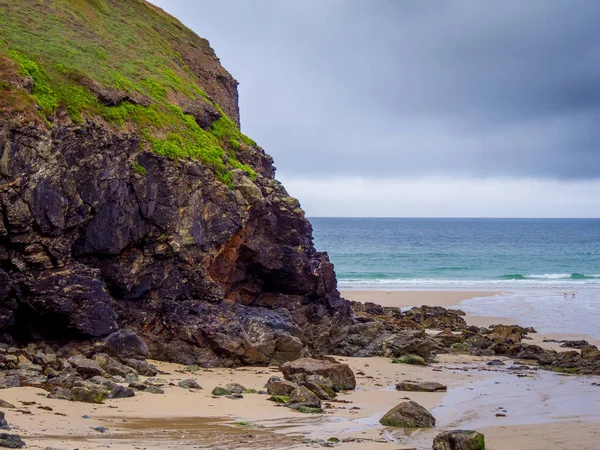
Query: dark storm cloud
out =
(393, 88)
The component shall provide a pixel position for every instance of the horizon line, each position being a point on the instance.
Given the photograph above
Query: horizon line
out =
(452, 217)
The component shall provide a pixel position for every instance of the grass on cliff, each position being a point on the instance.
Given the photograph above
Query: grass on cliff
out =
(124, 45)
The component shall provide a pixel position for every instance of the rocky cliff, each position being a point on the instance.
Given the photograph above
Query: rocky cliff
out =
(129, 198)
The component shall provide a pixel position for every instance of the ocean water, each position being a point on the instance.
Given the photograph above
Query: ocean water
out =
(533, 261)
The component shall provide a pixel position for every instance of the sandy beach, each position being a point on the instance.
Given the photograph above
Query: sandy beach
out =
(539, 407)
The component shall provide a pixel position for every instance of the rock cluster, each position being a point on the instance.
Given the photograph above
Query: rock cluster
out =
(67, 374)
(308, 381)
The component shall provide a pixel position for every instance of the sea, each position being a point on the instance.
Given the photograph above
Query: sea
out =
(548, 270)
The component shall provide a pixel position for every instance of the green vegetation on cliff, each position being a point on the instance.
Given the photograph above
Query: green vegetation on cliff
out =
(127, 62)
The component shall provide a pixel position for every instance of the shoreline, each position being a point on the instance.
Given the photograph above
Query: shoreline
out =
(543, 409)
(452, 299)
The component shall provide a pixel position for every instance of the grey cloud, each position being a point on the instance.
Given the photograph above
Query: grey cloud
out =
(385, 88)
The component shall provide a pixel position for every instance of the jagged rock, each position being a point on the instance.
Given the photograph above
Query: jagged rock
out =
(590, 353)
(113, 234)
(322, 386)
(142, 367)
(514, 334)
(408, 415)
(341, 376)
(108, 384)
(448, 337)
(85, 367)
(189, 383)
(580, 344)
(459, 440)
(278, 386)
(88, 394)
(11, 441)
(138, 386)
(121, 392)
(437, 317)
(411, 342)
(125, 344)
(302, 396)
(112, 366)
(420, 386)
(60, 393)
(3, 422)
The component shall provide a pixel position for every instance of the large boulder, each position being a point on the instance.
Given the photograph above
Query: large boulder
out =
(408, 415)
(341, 376)
(459, 440)
(125, 344)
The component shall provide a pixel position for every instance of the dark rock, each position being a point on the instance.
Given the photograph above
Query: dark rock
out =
(100, 429)
(11, 441)
(189, 383)
(85, 367)
(125, 344)
(5, 404)
(580, 344)
(142, 367)
(3, 422)
(420, 386)
(60, 393)
(302, 396)
(495, 362)
(411, 342)
(408, 415)
(93, 247)
(88, 395)
(138, 386)
(341, 376)
(204, 113)
(8, 382)
(278, 386)
(220, 391)
(154, 390)
(459, 440)
(121, 392)
(235, 388)
(437, 317)
(415, 360)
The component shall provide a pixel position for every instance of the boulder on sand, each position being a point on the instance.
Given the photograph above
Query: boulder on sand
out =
(420, 386)
(408, 415)
(341, 376)
(459, 440)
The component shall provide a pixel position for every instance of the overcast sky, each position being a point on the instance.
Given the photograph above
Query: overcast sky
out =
(447, 108)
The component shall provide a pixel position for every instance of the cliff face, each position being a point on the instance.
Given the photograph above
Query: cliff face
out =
(130, 198)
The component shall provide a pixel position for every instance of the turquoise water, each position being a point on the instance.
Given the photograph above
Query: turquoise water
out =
(457, 253)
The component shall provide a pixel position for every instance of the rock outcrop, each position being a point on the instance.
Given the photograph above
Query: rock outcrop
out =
(183, 237)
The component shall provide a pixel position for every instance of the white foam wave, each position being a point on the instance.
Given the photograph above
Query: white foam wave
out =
(422, 283)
